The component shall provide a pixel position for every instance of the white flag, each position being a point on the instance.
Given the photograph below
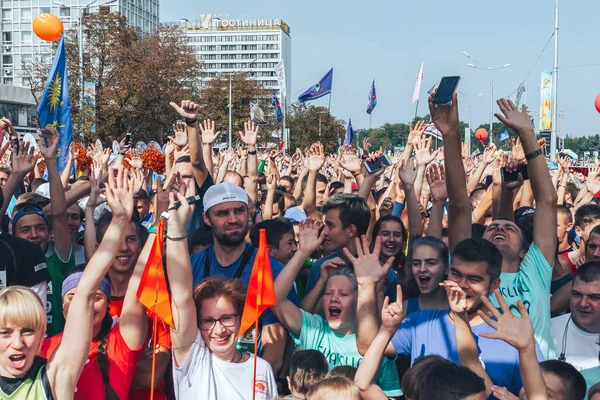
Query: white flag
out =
(280, 72)
(417, 92)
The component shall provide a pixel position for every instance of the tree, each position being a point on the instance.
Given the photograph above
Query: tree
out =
(309, 124)
(136, 77)
(214, 102)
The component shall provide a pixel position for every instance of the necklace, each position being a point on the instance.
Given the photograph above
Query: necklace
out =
(238, 360)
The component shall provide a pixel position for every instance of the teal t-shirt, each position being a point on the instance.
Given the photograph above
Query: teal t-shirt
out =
(532, 285)
(59, 270)
(342, 350)
(592, 376)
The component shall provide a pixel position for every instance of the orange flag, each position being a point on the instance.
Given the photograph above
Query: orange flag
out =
(152, 291)
(261, 292)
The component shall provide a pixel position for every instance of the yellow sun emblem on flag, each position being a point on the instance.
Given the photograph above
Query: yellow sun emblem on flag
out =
(54, 92)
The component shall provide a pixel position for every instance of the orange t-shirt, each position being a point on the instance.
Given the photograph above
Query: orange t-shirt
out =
(121, 366)
(163, 339)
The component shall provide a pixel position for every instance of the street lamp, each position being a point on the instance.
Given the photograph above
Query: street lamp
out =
(230, 105)
(479, 65)
(468, 137)
(80, 43)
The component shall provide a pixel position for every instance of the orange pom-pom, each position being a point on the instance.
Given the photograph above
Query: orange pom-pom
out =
(153, 160)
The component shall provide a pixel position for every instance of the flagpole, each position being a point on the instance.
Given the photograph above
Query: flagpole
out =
(283, 134)
(417, 109)
(329, 106)
(152, 376)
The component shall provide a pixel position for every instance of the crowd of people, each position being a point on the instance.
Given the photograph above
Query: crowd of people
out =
(442, 275)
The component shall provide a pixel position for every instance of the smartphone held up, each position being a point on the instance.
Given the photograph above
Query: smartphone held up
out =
(445, 90)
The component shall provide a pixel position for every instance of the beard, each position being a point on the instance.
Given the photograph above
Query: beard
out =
(231, 239)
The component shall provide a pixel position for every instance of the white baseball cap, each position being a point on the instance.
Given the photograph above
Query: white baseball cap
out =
(222, 193)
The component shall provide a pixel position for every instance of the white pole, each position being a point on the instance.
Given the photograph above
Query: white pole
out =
(230, 109)
(491, 105)
(553, 132)
(468, 136)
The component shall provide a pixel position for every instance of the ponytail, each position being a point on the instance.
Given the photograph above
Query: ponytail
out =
(110, 393)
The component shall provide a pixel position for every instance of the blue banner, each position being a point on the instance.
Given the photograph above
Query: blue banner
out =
(372, 99)
(349, 133)
(278, 112)
(318, 90)
(54, 110)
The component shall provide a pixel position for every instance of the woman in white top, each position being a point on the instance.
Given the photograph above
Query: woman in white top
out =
(206, 362)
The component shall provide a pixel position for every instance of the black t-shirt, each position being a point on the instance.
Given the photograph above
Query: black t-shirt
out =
(21, 262)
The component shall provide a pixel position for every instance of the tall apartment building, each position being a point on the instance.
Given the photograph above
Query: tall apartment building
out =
(20, 45)
(226, 45)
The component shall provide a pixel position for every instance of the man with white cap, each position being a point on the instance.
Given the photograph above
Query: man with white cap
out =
(226, 212)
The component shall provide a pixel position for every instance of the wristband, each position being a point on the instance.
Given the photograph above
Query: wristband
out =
(252, 153)
(190, 121)
(534, 154)
(152, 229)
(176, 238)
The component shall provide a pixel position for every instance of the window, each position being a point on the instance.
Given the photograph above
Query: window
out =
(6, 14)
(8, 81)
(7, 60)
(7, 37)
(25, 14)
(26, 37)
(64, 12)
(45, 10)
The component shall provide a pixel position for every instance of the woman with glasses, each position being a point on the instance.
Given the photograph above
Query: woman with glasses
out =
(206, 362)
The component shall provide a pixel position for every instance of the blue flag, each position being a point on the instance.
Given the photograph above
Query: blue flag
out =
(278, 112)
(54, 110)
(320, 89)
(349, 133)
(504, 136)
(372, 99)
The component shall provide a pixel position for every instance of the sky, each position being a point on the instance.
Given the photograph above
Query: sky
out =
(387, 40)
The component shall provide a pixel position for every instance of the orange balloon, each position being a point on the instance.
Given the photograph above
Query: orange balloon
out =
(481, 134)
(48, 27)
(597, 103)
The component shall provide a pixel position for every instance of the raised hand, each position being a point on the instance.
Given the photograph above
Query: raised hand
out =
(564, 162)
(457, 299)
(73, 152)
(351, 162)
(119, 194)
(161, 198)
(316, 158)
(365, 146)
(308, 237)
(136, 180)
(229, 154)
(180, 137)
(512, 166)
(48, 143)
(367, 267)
(416, 132)
(23, 159)
(516, 331)
(179, 217)
(519, 121)
(95, 190)
(518, 154)
(250, 133)
(135, 161)
(169, 148)
(271, 181)
(408, 172)
(392, 314)
(436, 178)
(184, 151)
(386, 207)
(187, 110)
(423, 151)
(207, 129)
(445, 117)
(489, 154)
(501, 393)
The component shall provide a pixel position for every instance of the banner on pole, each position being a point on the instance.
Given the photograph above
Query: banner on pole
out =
(89, 104)
(546, 102)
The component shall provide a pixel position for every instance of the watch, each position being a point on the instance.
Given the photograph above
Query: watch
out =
(534, 154)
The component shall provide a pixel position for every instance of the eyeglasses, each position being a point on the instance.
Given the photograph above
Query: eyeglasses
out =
(227, 321)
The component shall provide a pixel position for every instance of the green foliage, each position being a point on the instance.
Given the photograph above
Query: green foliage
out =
(309, 124)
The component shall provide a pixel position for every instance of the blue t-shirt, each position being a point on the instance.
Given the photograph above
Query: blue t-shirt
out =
(197, 261)
(295, 214)
(428, 332)
(315, 273)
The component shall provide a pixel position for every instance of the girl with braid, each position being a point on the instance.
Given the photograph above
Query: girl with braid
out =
(115, 350)
(23, 374)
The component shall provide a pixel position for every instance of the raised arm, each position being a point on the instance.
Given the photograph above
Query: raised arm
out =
(446, 120)
(249, 137)
(316, 159)
(209, 136)
(67, 361)
(66, 172)
(488, 157)
(89, 236)
(268, 208)
(408, 173)
(23, 161)
(436, 177)
(391, 317)
(179, 270)
(48, 144)
(287, 312)
(369, 272)
(517, 332)
(544, 219)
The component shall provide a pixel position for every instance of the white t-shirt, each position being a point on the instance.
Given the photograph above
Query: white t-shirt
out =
(581, 348)
(204, 376)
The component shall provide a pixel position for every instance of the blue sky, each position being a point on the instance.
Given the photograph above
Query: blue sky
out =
(386, 40)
